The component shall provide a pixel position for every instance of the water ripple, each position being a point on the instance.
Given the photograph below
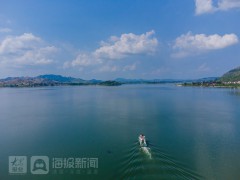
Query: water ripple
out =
(137, 165)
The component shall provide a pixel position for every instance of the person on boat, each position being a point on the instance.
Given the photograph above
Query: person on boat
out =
(142, 137)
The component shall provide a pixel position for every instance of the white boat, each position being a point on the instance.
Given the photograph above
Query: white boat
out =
(142, 140)
(143, 145)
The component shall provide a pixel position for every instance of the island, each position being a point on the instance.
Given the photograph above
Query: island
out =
(110, 83)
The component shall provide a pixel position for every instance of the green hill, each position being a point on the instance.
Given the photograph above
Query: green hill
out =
(231, 76)
(52, 80)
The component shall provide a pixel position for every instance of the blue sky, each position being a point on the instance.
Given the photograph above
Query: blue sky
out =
(106, 39)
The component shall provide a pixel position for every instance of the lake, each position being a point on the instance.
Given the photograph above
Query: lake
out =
(91, 132)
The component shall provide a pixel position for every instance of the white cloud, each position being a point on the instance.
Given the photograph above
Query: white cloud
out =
(131, 67)
(189, 44)
(203, 68)
(116, 48)
(11, 45)
(5, 30)
(207, 6)
(83, 59)
(25, 49)
(161, 71)
(108, 68)
(228, 4)
(39, 56)
(127, 44)
(204, 6)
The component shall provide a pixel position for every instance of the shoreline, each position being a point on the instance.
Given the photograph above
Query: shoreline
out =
(234, 86)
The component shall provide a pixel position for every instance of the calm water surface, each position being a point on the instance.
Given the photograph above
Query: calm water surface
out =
(193, 133)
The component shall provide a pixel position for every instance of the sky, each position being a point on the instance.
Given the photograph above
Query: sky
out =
(108, 39)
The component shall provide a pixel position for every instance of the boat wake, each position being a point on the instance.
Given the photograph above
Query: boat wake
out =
(150, 162)
(144, 146)
(146, 151)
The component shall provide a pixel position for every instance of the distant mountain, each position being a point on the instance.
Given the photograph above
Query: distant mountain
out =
(58, 80)
(62, 79)
(129, 81)
(51, 80)
(95, 81)
(207, 79)
(160, 81)
(146, 81)
(231, 76)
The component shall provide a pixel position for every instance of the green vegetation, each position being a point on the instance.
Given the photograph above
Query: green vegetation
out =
(231, 79)
(231, 76)
(212, 84)
(110, 83)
